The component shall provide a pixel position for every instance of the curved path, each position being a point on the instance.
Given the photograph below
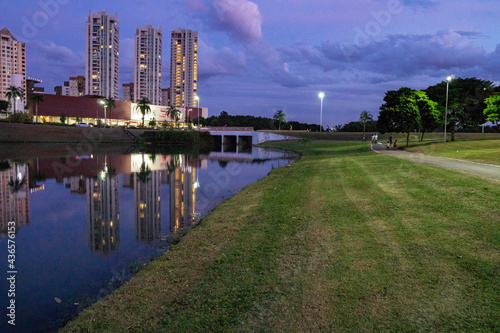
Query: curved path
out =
(478, 169)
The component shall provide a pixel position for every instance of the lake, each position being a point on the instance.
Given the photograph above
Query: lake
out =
(75, 228)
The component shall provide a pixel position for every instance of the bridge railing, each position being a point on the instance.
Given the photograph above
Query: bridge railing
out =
(226, 128)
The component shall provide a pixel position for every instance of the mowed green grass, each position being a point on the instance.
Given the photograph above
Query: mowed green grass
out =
(343, 240)
(483, 151)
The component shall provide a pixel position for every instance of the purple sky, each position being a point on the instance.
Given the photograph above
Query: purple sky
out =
(258, 56)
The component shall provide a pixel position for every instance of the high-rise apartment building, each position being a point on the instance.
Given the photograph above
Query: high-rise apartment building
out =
(62, 90)
(183, 67)
(102, 55)
(77, 85)
(165, 96)
(128, 92)
(147, 64)
(12, 64)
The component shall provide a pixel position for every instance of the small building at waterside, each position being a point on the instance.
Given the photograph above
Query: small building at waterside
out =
(90, 110)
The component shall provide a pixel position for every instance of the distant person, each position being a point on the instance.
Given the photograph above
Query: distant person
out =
(364, 137)
(290, 127)
(327, 128)
(388, 145)
(376, 138)
(395, 144)
(373, 138)
(390, 139)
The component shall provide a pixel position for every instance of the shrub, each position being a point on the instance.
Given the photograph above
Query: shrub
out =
(20, 117)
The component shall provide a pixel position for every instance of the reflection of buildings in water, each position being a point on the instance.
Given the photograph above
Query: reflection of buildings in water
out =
(76, 184)
(182, 197)
(14, 197)
(103, 213)
(147, 199)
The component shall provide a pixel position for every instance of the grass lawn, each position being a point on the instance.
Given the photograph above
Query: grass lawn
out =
(344, 240)
(483, 151)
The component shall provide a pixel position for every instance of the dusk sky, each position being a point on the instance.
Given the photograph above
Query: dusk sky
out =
(259, 56)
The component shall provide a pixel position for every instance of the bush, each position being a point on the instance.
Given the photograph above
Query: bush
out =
(20, 117)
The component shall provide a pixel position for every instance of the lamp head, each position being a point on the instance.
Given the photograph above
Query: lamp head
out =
(449, 78)
(321, 94)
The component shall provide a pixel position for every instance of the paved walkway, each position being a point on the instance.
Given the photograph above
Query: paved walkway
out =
(478, 169)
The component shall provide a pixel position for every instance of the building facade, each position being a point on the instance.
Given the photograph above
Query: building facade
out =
(128, 92)
(77, 85)
(184, 68)
(148, 64)
(12, 64)
(62, 90)
(102, 36)
(165, 96)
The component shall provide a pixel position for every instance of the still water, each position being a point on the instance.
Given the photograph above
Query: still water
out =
(78, 228)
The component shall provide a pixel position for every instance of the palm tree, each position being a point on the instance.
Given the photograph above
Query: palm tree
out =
(143, 106)
(279, 115)
(36, 99)
(174, 114)
(13, 92)
(363, 118)
(110, 102)
(144, 172)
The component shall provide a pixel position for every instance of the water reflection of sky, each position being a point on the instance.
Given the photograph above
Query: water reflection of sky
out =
(80, 232)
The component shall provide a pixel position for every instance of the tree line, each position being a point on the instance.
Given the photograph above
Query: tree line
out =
(464, 103)
(258, 123)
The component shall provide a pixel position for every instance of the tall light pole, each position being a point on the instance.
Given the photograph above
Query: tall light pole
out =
(448, 80)
(198, 99)
(105, 106)
(321, 96)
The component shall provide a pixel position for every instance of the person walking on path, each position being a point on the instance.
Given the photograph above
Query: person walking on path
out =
(390, 139)
(395, 144)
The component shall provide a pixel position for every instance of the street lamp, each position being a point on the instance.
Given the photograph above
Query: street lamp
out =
(448, 80)
(105, 106)
(198, 99)
(321, 96)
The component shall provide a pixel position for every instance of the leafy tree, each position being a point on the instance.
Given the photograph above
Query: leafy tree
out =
(279, 116)
(399, 113)
(465, 101)
(492, 110)
(12, 93)
(224, 118)
(62, 118)
(152, 123)
(363, 118)
(143, 106)
(4, 105)
(428, 110)
(356, 126)
(37, 99)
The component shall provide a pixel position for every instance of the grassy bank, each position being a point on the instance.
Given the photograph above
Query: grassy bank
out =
(40, 133)
(342, 240)
(483, 151)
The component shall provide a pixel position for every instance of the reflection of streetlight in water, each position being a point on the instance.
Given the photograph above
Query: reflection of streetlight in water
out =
(196, 183)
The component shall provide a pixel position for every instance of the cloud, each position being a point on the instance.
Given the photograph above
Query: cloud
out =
(425, 4)
(399, 56)
(219, 62)
(240, 18)
(54, 53)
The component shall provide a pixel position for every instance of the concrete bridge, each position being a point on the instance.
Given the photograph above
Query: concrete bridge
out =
(244, 135)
